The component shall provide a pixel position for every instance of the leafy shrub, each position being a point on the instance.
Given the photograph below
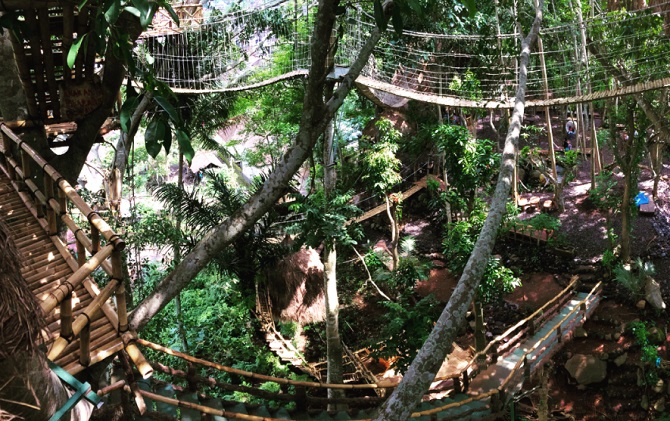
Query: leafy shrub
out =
(544, 221)
(497, 281)
(633, 277)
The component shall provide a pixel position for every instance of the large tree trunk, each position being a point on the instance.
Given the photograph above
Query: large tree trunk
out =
(315, 116)
(421, 373)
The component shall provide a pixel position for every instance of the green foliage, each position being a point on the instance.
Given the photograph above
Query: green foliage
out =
(642, 331)
(381, 167)
(459, 243)
(543, 221)
(470, 162)
(604, 196)
(468, 86)
(633, 277)
(497, 281)
(406, 326)
(326, 219)
(410, 269)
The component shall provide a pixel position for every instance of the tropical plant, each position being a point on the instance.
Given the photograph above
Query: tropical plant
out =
(634, 276)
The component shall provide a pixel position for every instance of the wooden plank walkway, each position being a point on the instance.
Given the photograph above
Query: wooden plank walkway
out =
(45, 267)
(541, 347)
(416, 187)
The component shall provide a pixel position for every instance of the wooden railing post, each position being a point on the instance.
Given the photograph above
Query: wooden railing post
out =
(81, 252)
(117, 273)
(51, 214)
(25, 167)
(66, 317)
(480, 336)
(7, 147)
(300, 398)
(85, 345)
(62, 202)
(95, 239)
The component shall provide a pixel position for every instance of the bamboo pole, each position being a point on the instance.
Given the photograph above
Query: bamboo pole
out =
(85, 345)
(66, 317)
(547, 113)
(82, 320)
(57, 295)
(117, 268)
(43, 17)
(51, 212)
(143, 366)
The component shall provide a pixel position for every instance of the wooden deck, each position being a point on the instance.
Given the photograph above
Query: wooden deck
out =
(47, 264)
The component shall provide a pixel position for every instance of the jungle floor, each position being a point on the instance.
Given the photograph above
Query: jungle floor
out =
(623, 395)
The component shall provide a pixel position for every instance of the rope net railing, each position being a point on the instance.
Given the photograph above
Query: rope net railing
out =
(244, 49)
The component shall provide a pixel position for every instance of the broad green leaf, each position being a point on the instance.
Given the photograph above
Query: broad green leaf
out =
(133, 11)
(151, 139)
(166, 5)
(127, 110)
(74, 50)
(396, 19)
(169, 108)
(82, 4)
(380, 19)
(164, 134)
(185, 144)
(112, 11)
(472, 7)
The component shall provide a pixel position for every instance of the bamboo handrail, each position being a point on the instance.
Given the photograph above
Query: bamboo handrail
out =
(83, 319)
(257, 376)
(56, 296)
(95, 219)
(539, 311)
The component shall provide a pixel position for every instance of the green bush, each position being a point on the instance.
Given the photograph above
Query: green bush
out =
(633, 277)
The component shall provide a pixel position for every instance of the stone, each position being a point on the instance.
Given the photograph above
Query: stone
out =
(586, 369)
(659, 405)
(658, 387)
(641, 304)
(604, 356)
(616, 336)
(652, 291)
(621, 359)
(644, 402)
(580, 332)
(608, 336)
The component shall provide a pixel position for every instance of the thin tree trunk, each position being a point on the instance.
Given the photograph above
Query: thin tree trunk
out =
(392, 212)
(125, 142)
(422, 371)
(334, 348)
(176, 249)
(315, 116)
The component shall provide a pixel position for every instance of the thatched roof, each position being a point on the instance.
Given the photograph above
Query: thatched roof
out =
(295, 285)
(20, 314)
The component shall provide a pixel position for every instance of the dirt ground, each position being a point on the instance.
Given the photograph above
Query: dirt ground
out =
(620, 396)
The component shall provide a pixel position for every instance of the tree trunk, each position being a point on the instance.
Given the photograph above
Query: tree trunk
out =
(391, 213)
(334, 348)
(439, 343)
(176, 250)
(315, 116)
(625, 217)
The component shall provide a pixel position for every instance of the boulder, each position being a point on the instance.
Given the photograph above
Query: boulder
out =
(586, 369)
(621, 359)
(659, 405)
(580, 332)
(652, 293)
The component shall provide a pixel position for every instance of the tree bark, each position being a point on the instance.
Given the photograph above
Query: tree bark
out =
(421, 373)
(315, 116)
(334, 348)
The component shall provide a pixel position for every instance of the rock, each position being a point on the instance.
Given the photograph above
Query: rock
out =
(641, 304)
(652, 291)
(658, 387)
(608, 336)
(473, 324)
(616, 336)
(604, 356)
(586, 369)
(659, 405)
(580, 332)
(621, 359)
(644, 402)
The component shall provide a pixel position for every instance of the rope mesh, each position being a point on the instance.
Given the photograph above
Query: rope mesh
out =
(244, 49)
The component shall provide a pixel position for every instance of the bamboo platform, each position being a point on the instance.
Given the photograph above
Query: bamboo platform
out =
(46, 266)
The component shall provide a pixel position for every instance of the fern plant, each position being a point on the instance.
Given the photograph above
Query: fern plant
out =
(633, 277)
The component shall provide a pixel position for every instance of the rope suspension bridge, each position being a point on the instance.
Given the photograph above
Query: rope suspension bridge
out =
(87, 323)
(220, 53)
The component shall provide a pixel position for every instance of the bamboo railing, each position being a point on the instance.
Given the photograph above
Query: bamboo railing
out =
(50, 201)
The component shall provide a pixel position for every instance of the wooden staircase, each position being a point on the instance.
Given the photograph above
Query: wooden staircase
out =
(47, 264)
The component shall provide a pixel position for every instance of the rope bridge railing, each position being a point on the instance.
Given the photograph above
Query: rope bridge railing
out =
(50, 195)
(235, 52)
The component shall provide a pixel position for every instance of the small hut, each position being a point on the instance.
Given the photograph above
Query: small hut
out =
(295, 286)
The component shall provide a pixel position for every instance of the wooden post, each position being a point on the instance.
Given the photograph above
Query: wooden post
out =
(117, 269)
(300, 398)
(85, 345)
(81, 253)
(66, 317)
(25, 167)
(51, 214)
(480, 338)
(95, 239)
(457, 385)
(466, 381)
(62, 201)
